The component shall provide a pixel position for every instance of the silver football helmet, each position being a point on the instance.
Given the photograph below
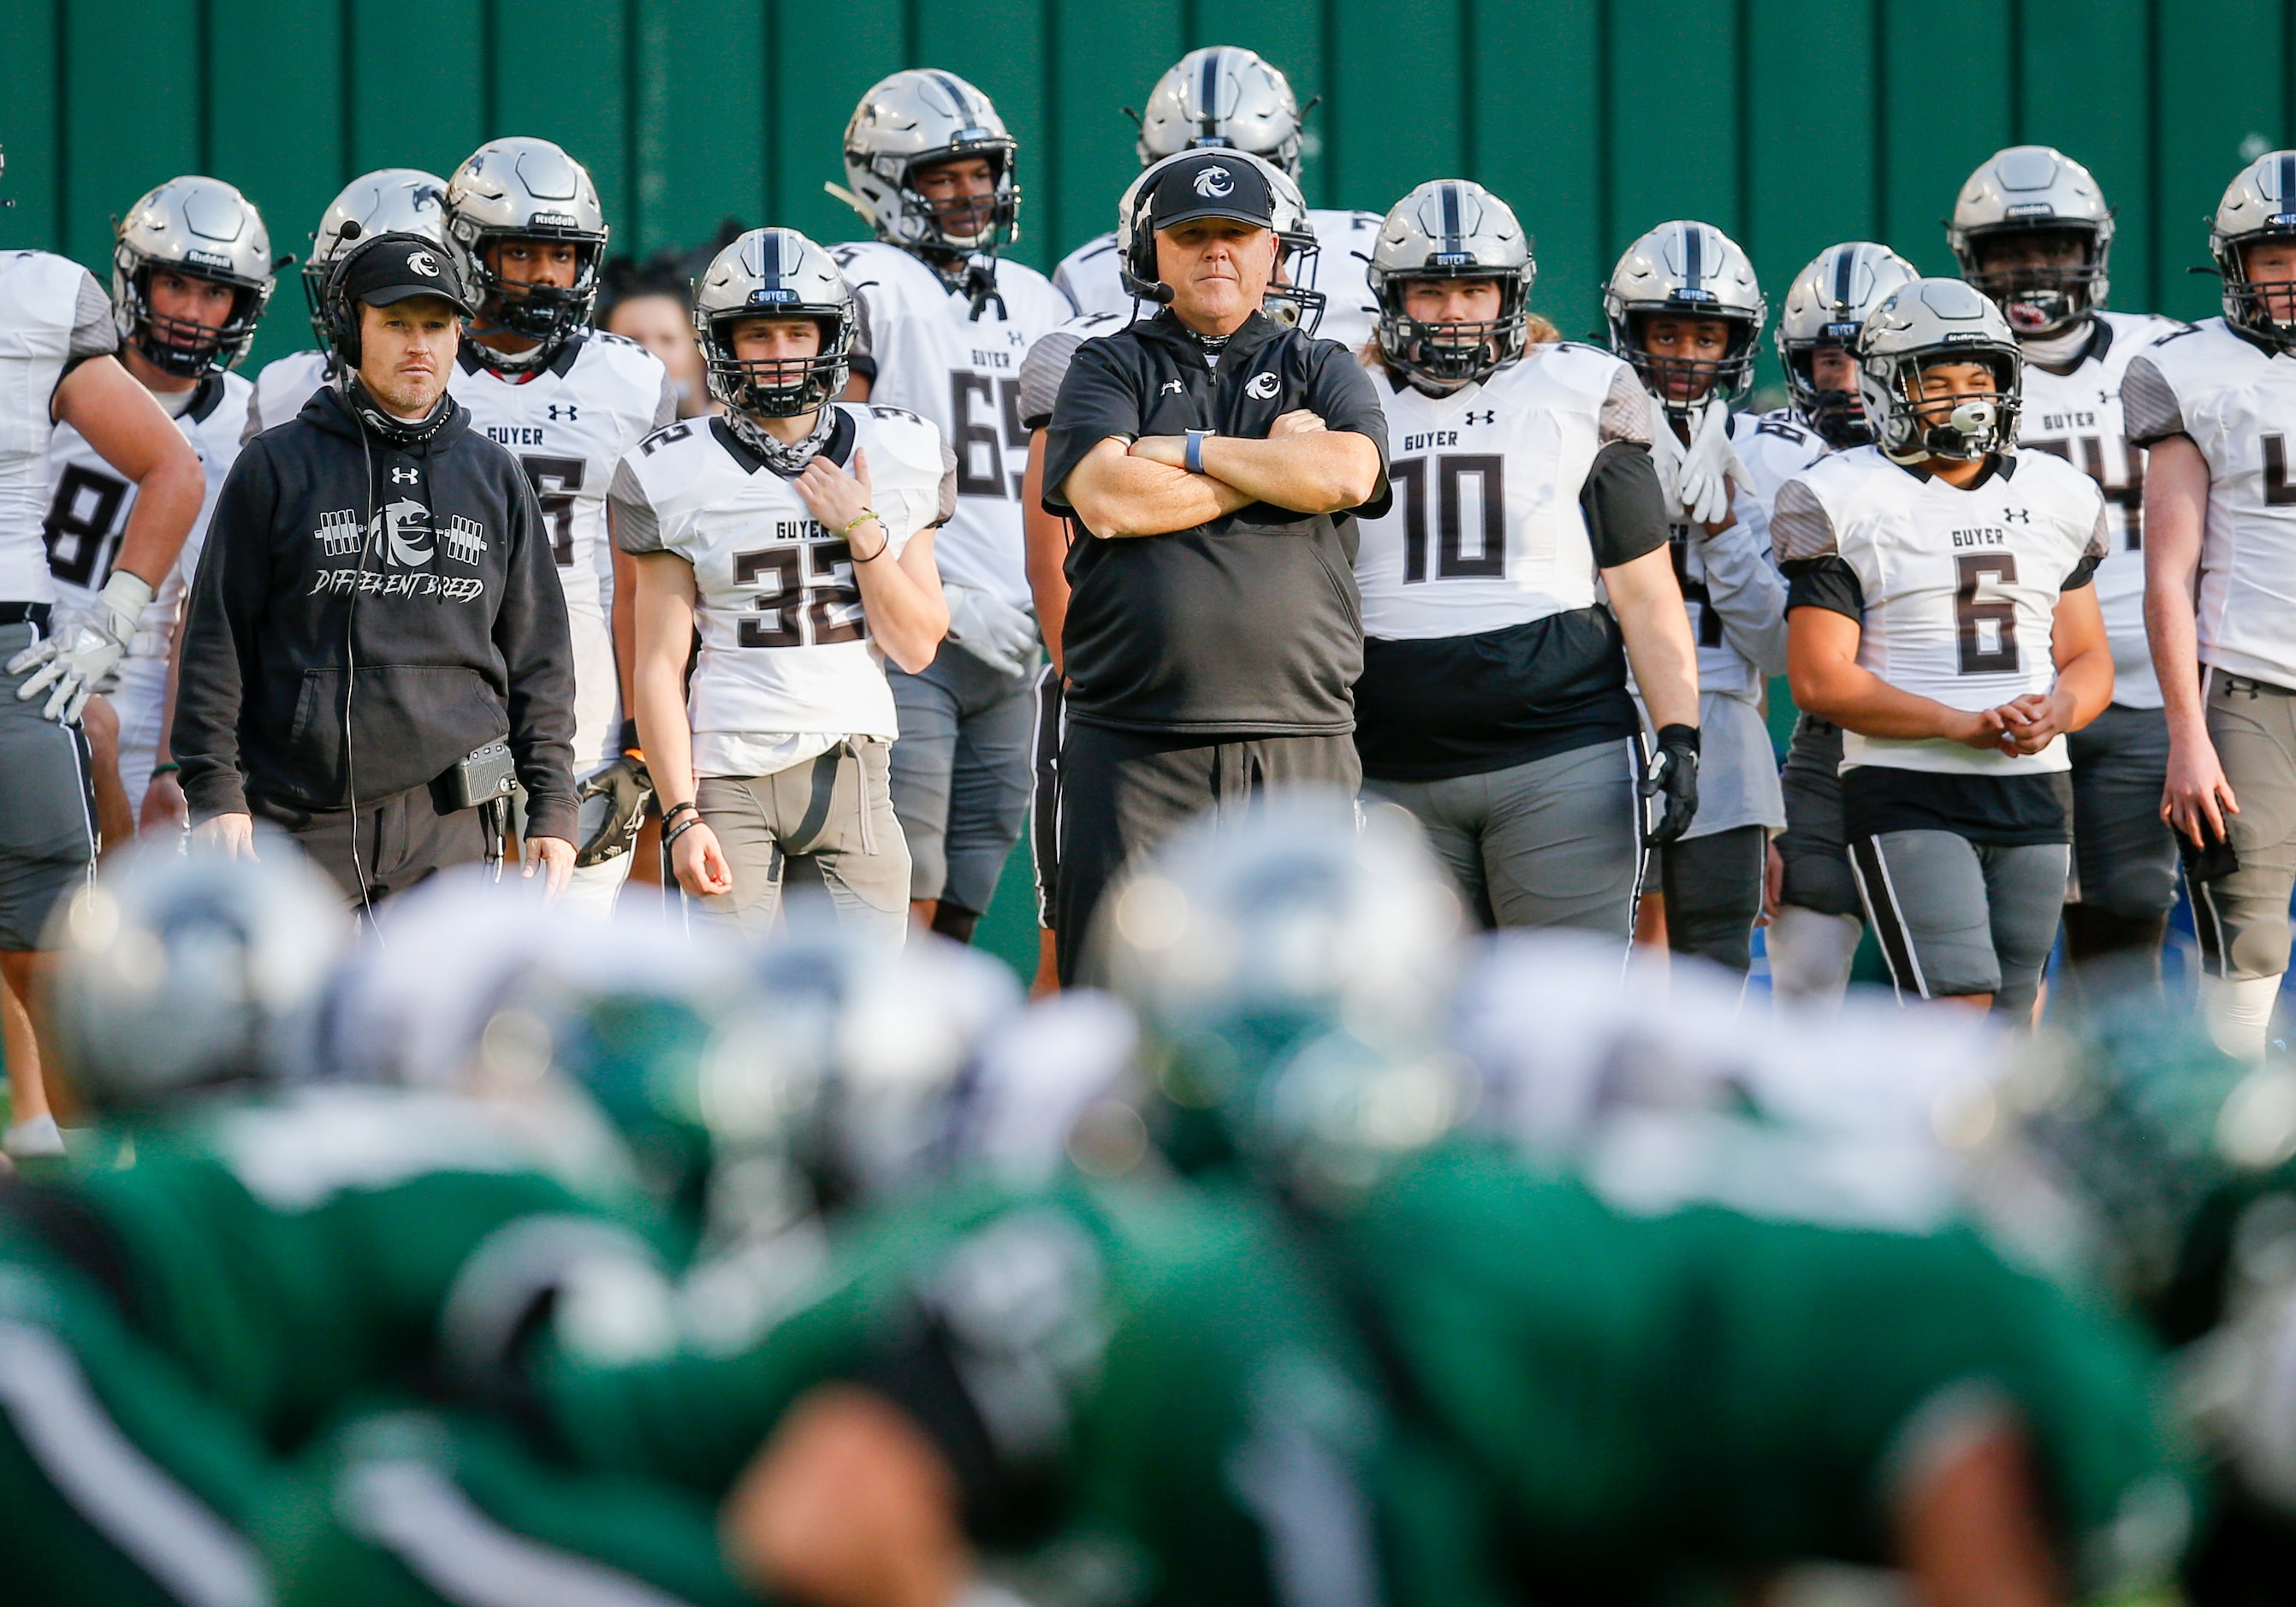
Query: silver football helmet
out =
(177, 971)
(1224, 96)
(1290, 970)
(389, 201)
(1829, 304)
(1451, 228)
(527, 189)
(202, 228)
(2033, 189)
(2258, 204)
(912, 120)
(1291, 299)
(1926, 323)
(1684, 269)
(773, 274)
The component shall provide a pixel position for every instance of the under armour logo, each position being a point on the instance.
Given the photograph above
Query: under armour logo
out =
(405, 477)
(555, 406)
(2023, 516)
(1489, 415)
(1260, 387)
(1173, 386)
(422, 263)
(1215, 182)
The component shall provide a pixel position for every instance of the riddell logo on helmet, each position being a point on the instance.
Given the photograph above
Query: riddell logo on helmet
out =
(207, 259)
(1215, 182)
(550, 220)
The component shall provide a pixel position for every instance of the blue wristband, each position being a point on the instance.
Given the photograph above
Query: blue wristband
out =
(1195, 450)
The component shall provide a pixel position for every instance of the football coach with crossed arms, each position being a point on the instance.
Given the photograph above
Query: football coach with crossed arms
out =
(376, 638)
(1212, 461)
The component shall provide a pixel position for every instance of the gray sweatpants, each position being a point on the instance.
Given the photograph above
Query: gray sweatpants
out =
(829, 820)
(961, 774)
(2242, 919)
(2125, 854)
(47, 806)
(1553, 842)
(1956, 917)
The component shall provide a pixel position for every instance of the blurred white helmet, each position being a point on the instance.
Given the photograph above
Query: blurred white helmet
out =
(1224, 97)
(914, 119)
(1827, 306)
(389, 201)
(2033, 189)
(1924, 323)
(2258, 204)
(201, 228)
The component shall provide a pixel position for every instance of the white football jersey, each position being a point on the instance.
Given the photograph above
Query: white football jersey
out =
(2237, 402)
(87, 508)
(1485, 530)
(44, 299)
(2078, 417)
(569, 423)
(281, 387)
(1095, 283)
(1960, 586)
(963, 373)
(785, 646)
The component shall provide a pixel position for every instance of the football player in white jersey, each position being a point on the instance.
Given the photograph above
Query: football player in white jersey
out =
(1291, 299)
(389, 201)
(2210, 405)
(57, 338)
(1492, 703)
(1686, 311)
(796, 533)
(191, 273)
(1816, 919)
(2031, 231)
(929, 164)
(1942, 615)
(1227, 97)
(570, 401)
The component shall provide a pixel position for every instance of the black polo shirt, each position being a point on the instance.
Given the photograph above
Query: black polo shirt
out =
(1251, 625)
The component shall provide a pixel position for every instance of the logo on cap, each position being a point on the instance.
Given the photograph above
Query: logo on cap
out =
(422, 263)
(1215, 182)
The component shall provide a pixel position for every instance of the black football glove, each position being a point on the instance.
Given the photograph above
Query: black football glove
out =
(1674, 772)
(613, 804)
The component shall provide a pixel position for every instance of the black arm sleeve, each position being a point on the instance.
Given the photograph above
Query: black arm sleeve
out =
(538, 649)
(1626, 511)
(1827, 582)
(222, 623)
(1343, 395)
(1098, 399)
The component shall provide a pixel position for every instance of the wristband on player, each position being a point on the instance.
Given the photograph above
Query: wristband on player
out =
(671, 837)
(675, 810)
(1195, 452)
(166, 766)
(628, 740)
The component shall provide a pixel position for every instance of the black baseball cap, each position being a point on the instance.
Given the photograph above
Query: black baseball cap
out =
(1211, 184)
(397, 267)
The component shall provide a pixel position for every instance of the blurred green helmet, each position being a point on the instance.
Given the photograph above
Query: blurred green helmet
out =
(177, 970)
(1292, 969)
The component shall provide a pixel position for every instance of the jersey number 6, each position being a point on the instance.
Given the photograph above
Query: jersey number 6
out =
(1971, 616)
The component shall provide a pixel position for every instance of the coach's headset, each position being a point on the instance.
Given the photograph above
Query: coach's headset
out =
(337, 313)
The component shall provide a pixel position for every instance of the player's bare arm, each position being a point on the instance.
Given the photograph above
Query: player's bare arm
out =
(1044, 544)
(2197, 797)
(133, 434)
(1828, 681)
(665, 639)
(2084, 682)
(1647, 600)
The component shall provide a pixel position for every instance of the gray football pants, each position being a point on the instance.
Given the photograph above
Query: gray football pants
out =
(2242, 919)
(827, 821)
(961, 772)
(1553, 842)
(1956, 917)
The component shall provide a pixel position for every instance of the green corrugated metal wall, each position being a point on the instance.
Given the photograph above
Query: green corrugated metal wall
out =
(1790, 123)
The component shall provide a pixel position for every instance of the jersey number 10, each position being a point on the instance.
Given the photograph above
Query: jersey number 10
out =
(1408, 476)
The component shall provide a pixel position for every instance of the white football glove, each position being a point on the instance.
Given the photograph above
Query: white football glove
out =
(1708, 465)
(85, 649)
(991, 629)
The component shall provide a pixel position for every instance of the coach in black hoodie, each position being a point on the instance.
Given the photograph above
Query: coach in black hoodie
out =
(376, 600)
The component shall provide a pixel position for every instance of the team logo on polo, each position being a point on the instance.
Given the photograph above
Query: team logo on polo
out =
(1261, 387)
(1214, 182)
(422, 263)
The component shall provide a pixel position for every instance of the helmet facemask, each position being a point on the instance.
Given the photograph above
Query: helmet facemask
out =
(2038, 299)
(181, 347)
(1291, 298)
(776, 387)
(1448, 355)
(1838, 417)
(961, 225)
(1914, 425)
(2265, 308)
(544, 314)
(1685, 384)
